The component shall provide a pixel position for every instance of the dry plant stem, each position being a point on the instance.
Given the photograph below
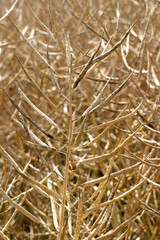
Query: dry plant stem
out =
(13, 215)
(141, 116)
(156, 185)
(79, 217)
(3, 45)
(79, 134)
(91, 182)
(69, 220)
(104, 216)
(42, 189)
(9, 11)
(149, 209)
(33, 48)
(40, 112)
(114, 199)
(123, 225)
(117, 198)
(57, 42)
(27, 117)
(142, 47)
(68, 150)
(144, 141)
(102, 187)
(35, 148)
(38, 211)
(3, 236)
(16, 180)
(53, 207)
(106, 54)
(114, 121)
(127, 66)
(87, 66)
(124, 233)
(43, 25)
(92, 61)
(99, 80)
(18, 207)
(16, 75)
(39, 144)
(95, 102)
(37, 87)
(97, 138)
(29, 190)
(111, 95)
(114, 152)
(53, 79)
(112, 175)
(141, 160)
(51, 74)
(87, 26)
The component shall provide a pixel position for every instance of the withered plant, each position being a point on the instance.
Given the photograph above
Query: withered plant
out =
(79, 119)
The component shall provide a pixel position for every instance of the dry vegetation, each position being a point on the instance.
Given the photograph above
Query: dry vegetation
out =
(79, 122)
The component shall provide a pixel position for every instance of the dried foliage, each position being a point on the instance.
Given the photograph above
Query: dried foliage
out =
(79, 122)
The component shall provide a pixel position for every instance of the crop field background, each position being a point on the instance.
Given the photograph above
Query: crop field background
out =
(80, 119)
